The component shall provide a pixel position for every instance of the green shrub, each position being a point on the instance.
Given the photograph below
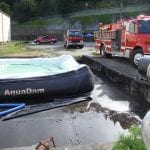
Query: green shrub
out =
(131, 141)
(51, 21)
(85, 20)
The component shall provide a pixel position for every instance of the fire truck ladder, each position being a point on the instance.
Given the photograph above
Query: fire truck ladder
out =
(111, 34)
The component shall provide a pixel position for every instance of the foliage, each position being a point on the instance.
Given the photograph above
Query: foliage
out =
(103, 4)
(131, 141)
(65, 7)
(10, 2)
(24, 10)
(131, 14)
(49, 21)
(85, 20)
(105, 18)
(49, 7)
(5, 7)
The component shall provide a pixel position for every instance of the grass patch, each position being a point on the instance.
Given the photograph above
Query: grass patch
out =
(11, 48)
(131, 141)
(49, 21)
(19, 49)
(132, 14)
(85, 20)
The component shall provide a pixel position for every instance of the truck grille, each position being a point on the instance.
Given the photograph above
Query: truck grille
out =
(75, 41)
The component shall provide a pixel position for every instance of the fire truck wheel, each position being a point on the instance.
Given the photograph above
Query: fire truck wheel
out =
(81, 46)
(103, 53)
(137, 55)
(102, 50)
(67, 46)
(38, 43)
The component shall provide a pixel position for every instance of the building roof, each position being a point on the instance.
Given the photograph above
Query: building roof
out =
(4, 13)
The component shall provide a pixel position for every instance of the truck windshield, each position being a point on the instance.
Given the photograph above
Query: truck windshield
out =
(144, 26)
(75, 34)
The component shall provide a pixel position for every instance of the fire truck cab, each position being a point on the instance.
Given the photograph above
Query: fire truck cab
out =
(73, 38)
(127, 38)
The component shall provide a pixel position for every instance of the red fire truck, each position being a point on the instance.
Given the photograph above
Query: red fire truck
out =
(128, 38)
(73, 38)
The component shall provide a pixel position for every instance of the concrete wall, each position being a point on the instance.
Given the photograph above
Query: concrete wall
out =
(131, 83)
(5, 27)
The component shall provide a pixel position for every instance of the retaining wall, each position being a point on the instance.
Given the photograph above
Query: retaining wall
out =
(133, 84)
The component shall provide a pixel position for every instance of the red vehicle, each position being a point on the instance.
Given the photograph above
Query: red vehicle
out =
(126, 38)
(73, 38)
(46, 39)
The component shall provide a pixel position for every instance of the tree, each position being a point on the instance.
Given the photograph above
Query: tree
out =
(5, 7)
(10, 2)
(65, 7)
(25, 10)
(47, 7)
(103, 4)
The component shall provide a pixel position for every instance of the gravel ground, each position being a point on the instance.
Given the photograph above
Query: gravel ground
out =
(58, 49)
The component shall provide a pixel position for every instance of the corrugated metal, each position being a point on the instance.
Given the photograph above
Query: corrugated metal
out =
(5, 27)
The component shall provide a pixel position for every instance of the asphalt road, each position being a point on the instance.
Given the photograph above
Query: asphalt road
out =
(101, 120)
(82, 123)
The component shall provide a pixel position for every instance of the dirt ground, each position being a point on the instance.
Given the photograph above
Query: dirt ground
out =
(58, 49)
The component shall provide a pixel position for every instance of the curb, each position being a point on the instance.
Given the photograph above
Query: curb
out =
(131, 82)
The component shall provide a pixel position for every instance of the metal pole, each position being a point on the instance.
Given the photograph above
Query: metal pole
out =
(121, 7)
(86, 6)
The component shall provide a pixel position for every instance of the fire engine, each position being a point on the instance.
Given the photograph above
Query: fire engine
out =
(128, 38)
(73, 38)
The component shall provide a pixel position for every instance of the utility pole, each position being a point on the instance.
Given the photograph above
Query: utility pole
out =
(121, 7)
(86, 6)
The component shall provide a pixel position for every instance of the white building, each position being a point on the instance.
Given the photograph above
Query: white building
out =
(5, 27)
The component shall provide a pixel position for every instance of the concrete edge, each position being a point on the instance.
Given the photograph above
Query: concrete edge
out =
(133, 86)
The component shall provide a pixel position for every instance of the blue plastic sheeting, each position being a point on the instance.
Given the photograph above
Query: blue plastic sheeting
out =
(89, 35)
(12, 108)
